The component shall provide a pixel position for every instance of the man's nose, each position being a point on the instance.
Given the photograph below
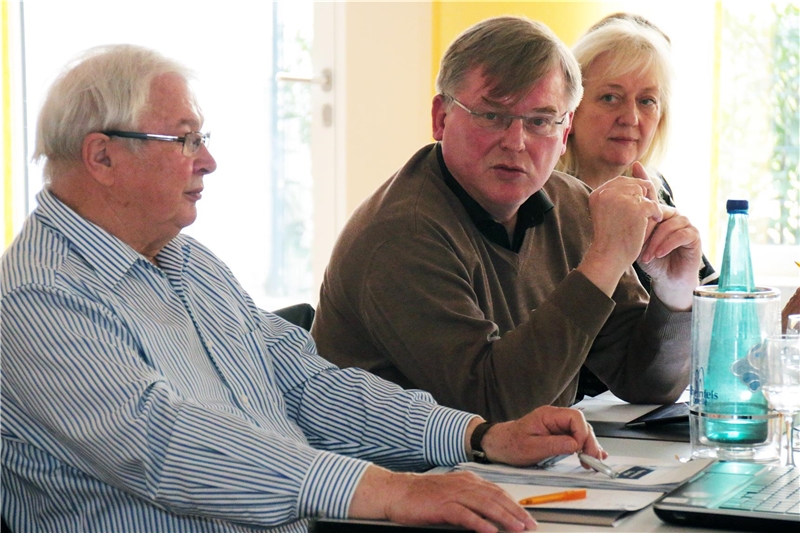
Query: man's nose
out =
(514, 135)
(205, 162)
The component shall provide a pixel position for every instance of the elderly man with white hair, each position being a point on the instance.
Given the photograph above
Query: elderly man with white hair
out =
(142, 389)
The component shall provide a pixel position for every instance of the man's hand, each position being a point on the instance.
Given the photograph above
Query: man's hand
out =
(631, 225)
(672, 257)
(464, 499)
(624, 212)
(459, 498)
(671, 254)
(542, 433)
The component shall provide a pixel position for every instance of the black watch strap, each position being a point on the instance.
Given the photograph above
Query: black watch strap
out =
(478, 455)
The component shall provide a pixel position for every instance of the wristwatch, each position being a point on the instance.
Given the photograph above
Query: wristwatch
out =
(478, 455)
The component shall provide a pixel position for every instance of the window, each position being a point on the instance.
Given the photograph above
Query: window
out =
(257, 210)
(759, 126)
(735, 126)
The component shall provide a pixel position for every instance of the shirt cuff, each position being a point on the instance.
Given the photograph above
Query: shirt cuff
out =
(444, 436)
(329, 486)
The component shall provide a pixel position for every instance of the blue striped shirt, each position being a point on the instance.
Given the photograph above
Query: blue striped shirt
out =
(144, 398)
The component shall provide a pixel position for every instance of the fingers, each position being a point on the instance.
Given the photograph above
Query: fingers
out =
(548, 431)
(636, 190)
(460, 498)
(485, 514)
(580, 431)
(501, 509)
(627, 197)
(592, 446)
(542, 433)
(623, 217)
(638, 171)
(581, 435)
(675, 231)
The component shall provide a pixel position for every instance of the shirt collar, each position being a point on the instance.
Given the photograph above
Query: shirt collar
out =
(110, 257)
(531, 213)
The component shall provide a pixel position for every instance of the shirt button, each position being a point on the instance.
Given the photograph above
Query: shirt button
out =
(209, 345)
(244, 399)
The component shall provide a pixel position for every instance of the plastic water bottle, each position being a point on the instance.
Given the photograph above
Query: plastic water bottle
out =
(735, 407)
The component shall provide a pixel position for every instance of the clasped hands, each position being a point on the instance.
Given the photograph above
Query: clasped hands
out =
(630, 224)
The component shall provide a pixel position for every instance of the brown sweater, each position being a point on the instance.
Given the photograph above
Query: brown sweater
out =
(416, 294)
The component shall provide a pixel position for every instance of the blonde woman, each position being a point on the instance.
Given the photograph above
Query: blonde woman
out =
(622, 118)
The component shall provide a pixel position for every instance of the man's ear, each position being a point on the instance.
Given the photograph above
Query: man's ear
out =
(438, 113)
(96, 157)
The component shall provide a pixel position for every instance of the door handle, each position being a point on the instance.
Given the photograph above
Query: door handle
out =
(324, 80)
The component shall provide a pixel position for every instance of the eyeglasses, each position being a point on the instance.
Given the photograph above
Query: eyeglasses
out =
(191, 141)
(541, 125)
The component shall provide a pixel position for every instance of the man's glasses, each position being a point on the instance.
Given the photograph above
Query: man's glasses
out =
(191, 141)
(541, 125)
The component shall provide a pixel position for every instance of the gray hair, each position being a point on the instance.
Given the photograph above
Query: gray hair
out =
(635, 45)
(104, 88)
(514, 53)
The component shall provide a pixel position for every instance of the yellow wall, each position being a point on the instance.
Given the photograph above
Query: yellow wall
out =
(567, 19)
(387, 95)
(393, 53)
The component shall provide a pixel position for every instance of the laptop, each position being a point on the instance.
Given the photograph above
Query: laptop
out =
(736, 496)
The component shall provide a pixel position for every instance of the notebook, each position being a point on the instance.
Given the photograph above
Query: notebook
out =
(736, 496)
(673, 413)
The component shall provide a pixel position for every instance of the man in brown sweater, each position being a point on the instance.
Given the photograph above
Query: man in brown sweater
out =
(475, 273)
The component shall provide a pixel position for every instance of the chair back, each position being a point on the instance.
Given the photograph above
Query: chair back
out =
(299, 314)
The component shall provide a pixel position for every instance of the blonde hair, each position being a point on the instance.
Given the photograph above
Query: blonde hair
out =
(104, 88)
(514, 53)
(637, 46)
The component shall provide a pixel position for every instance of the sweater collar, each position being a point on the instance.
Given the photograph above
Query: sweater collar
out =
(531, 213)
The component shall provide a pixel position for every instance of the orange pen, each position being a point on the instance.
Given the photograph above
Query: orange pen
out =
(565, 496)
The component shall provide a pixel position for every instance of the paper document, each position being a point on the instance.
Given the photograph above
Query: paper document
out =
(596, 499)
(636, 473)
(606, 407)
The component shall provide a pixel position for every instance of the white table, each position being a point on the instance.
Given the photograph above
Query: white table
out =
(607, 408)
(644, 520)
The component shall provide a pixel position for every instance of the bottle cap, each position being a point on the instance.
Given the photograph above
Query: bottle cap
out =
(737, 206)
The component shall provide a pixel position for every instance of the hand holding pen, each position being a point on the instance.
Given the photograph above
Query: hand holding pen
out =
(542, 433)
(598, 465)
(587, 461)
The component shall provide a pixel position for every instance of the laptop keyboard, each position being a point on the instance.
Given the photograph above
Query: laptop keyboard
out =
(777, 491)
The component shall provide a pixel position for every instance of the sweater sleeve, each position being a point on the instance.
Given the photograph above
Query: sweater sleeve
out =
(422, 312)
(646, 363)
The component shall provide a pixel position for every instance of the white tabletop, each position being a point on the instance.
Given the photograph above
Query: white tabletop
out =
(608, 408)
(644, 520)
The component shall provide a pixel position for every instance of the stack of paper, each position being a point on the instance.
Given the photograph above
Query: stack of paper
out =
(600, 507)
(635, 473)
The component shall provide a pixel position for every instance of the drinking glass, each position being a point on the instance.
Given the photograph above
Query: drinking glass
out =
(777, 364)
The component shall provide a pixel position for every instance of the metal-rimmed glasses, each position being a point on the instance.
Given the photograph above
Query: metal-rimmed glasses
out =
(541, 125)
(191, 141)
